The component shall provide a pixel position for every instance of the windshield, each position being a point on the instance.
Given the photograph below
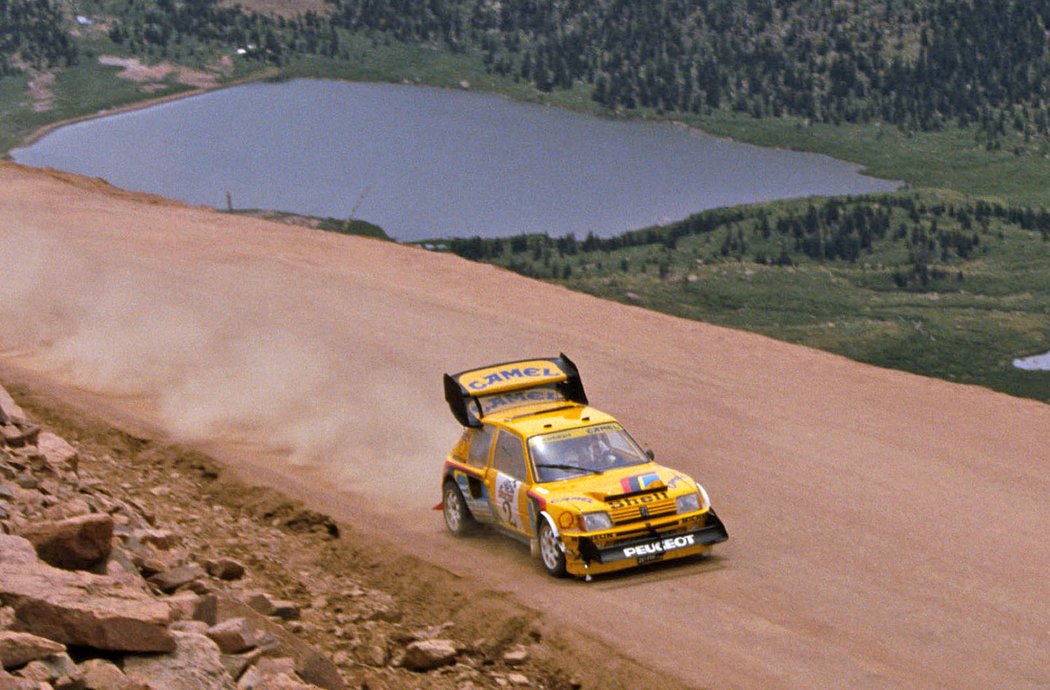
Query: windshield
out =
(588, 450)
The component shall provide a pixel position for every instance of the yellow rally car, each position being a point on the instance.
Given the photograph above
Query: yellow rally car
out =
(537, 463)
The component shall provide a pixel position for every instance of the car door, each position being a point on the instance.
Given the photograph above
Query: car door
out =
(507, 483)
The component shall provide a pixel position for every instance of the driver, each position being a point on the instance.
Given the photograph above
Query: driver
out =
(593, 453)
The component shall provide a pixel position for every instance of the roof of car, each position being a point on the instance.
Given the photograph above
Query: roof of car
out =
(548, 417)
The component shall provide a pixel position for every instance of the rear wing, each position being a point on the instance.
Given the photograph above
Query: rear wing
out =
(466, 391)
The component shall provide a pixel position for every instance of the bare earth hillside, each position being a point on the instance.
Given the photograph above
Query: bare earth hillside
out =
(886, 530)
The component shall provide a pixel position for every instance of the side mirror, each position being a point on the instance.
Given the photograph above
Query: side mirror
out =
(650, 454)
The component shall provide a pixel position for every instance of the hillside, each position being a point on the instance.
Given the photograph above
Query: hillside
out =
(936, 284)
(311, 362)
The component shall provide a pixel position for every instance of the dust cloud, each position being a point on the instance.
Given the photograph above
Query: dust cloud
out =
(224, 358)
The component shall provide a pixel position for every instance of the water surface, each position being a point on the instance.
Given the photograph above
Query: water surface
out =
(424, 162)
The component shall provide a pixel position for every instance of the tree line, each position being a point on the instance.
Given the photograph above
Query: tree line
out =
(919, 66)
(33, 35)
(930, 237)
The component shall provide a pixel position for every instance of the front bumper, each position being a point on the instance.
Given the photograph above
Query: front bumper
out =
(676, 539)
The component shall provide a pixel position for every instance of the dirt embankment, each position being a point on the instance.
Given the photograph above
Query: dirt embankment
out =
(260, 575)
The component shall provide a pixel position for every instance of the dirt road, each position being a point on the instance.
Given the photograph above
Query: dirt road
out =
(886, 530)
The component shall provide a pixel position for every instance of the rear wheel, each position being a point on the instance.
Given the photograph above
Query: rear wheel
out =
(551, 552)
(457, 516)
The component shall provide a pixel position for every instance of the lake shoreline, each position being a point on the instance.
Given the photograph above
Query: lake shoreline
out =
(430, 161)
(277, 75)
(40, 132)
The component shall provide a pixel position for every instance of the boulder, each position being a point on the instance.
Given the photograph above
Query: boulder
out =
(426, 655)
(260, 602)
(237, 663)
(310, 665)
(59, 670)
(58, 455)
(19, 436)
(160, 538)
(9, 409)
(17, 648)
(9, 682)
(74, 544)
(78, 608)
(170, 580)
(233, 636)
(99, 674)
(516, 657)
(273, 674)
(285, 610)
(188, 605)
(225, 569)
(15, 550)
(195, 663)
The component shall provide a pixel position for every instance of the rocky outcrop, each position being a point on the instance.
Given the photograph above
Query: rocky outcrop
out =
(82, 568)
(123, 561)
(84, 609)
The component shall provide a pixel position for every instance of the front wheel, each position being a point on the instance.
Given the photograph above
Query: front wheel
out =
(551, 552)
(457, 516)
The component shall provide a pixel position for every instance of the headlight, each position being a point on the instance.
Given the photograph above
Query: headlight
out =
(592, 522)
(690, 503)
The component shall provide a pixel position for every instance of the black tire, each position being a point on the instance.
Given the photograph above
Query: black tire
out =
(551, 553)
(458, 519)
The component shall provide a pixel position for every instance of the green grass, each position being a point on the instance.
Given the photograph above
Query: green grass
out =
(81, 90)
(346, 227)
(949, 159)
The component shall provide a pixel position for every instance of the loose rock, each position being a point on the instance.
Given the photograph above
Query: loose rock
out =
(18, 648)
(73, 544)
(425, 655)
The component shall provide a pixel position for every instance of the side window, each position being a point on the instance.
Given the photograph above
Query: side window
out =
(480, 443)
(509, 457)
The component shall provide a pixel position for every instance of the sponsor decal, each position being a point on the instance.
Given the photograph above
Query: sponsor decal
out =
(676, 480)
(481, 381)
(573, 499)
(659, 547)
(639, 482)
(577, 433)
(637, 500)
(507, 489)
(494, 403)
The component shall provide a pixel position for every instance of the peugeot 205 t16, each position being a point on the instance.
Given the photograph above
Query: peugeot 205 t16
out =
(537, 463)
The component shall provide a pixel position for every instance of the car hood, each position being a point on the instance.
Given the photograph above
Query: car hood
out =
(593, 491)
